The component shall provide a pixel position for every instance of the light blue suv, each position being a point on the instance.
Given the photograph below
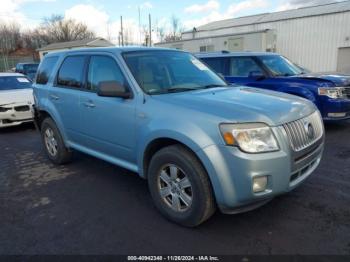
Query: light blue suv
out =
(200, 143)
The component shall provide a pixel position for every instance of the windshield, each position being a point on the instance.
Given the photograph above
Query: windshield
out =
(14, 82)
(280, 66)
(30, 68)
(159, 72)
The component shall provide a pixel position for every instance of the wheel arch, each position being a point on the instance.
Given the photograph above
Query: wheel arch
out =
(41, 114)
(157, 144)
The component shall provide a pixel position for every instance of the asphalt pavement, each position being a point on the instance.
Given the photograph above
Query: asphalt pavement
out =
(92, 207)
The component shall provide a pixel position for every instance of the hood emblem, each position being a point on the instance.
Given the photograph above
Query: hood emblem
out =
(309, 129)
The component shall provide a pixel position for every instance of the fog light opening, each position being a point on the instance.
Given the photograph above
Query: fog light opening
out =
(336, 114)
(259, 184)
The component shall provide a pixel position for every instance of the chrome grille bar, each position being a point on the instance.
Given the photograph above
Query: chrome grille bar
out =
(304, 132)
(346, 92)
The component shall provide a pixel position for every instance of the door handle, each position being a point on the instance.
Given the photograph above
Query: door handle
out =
(89, 104)
(54, 97)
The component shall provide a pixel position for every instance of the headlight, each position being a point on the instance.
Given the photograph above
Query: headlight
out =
(250, 137)
(334, 92)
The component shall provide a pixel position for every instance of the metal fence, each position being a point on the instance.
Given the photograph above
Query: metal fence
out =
(9, 62)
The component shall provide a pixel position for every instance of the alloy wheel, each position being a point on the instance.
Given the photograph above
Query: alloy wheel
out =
(50, 142)
(175, 188)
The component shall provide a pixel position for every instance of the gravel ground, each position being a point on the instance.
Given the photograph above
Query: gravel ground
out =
(93, 207)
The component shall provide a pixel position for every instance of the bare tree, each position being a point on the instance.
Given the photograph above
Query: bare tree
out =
(175, 25)
(161, 33)
(59, 29)
(176, 30)
(10, 37)
(128, 35)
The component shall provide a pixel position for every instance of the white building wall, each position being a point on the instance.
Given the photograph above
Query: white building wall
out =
(252, 42)
(312, 42)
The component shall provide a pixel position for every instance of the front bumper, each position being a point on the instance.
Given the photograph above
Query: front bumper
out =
(16, 114)
(331, 106)
(231, 172)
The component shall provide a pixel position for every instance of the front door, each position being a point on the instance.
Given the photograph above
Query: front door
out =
(247, 71)
(107, 123)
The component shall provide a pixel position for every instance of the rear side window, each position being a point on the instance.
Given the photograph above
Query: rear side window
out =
(71, 72)
(45, 70)
(103, 68)
(218, 64)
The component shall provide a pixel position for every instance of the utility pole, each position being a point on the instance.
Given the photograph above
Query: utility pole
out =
(150, 29)
(140, 25)
(121, 30)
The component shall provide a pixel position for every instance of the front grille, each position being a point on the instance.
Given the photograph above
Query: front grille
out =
(346, 92)
(22, 108)
(304, 132)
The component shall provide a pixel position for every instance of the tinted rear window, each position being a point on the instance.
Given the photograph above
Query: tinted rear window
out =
(14, 82)
(71, 72)
(30, 67)
(45, 70)
(218, 64)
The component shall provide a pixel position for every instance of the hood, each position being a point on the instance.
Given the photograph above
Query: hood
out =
(243, 104)
(336, 78)
(16, 96)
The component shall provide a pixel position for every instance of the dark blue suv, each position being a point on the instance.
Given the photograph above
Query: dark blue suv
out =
(330, 92)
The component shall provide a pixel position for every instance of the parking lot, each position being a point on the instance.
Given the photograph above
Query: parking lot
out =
(93, 207)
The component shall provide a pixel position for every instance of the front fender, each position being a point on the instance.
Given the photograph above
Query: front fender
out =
(299, 91)
(189, 134)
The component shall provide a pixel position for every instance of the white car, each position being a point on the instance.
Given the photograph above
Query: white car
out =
(16, 99)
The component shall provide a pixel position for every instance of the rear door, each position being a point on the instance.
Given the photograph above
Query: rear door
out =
(220, 65)
(65, 93)
(107, 123)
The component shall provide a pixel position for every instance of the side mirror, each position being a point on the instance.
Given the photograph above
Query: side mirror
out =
(256, 75)
(113, 89)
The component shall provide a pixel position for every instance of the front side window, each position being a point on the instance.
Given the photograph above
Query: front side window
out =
(14, 82)
(45, 70)
(101, 69)
(71, 72)
(280, 66)
(243, 66)
(159, 72)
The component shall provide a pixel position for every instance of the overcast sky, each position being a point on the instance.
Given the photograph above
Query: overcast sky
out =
(102, 16)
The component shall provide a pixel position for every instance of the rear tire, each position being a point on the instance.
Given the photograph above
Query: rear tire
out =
(54, 146)
(180, 186)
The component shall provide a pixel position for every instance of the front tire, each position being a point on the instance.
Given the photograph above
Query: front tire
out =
(54, 146)
(180, 186)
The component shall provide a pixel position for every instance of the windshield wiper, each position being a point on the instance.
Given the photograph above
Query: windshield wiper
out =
(180, 89)
(285, 74)
(212, 86)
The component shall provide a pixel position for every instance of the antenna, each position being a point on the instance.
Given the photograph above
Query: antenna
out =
(121, 30)
(150, 29)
